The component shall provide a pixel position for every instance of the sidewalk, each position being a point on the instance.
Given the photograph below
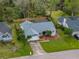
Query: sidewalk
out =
(37, 49)
(71, 54)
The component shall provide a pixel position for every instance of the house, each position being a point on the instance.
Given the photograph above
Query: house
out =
(5, 32)
(71, 22)
(35, 29)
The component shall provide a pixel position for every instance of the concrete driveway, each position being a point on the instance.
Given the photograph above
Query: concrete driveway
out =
(71, 54)
(37, 49)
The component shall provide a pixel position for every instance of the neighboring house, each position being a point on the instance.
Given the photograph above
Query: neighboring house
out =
(5, 32)
(35, 29)
(71, 22)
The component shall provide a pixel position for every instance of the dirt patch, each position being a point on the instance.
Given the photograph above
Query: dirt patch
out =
(35, 19)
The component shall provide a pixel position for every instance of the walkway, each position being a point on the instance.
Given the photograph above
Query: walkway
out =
(72, 54)
(37, 49)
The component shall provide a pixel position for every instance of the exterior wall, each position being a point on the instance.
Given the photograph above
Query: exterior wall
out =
(65, 25)
(53, 33)
(22, 28)
(34, 38)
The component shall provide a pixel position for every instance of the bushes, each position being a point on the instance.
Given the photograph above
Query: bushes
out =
(64, 29)
(28, 37)
(67, 31)
(47, 33)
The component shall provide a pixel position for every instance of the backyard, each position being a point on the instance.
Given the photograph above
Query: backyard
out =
(15, 48)
(64, 42)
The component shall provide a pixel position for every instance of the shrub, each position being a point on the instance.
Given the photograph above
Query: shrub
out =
(28, 37)
(62, 28)
(48, 33)
(67, 31)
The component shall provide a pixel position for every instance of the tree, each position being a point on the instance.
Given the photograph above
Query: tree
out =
(60, 5)
(1, 11)
(50, 5)
(32, 8)
(9, 3)
(9, 11)
(56, 14)
(10, 14)
(72, 7)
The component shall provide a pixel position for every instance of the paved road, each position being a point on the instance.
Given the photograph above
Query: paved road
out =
(72, 54)
(37, 49)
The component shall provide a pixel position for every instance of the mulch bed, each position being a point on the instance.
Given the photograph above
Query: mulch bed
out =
(49, 37)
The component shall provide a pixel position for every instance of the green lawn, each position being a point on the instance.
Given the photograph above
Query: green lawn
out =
(65, 42)
(6, 49)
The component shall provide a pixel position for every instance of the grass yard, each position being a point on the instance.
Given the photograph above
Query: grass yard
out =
(6, 50)
(65, 42)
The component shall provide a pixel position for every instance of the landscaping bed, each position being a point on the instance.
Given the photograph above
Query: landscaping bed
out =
(64, 42)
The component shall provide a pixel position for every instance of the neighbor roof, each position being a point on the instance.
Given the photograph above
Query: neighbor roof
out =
(72, 22)
(36, 28)
(4, 28)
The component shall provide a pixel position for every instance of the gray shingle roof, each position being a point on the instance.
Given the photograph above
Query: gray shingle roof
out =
(4, 28)
(36, 28)
(73, 22)
(40, 27)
